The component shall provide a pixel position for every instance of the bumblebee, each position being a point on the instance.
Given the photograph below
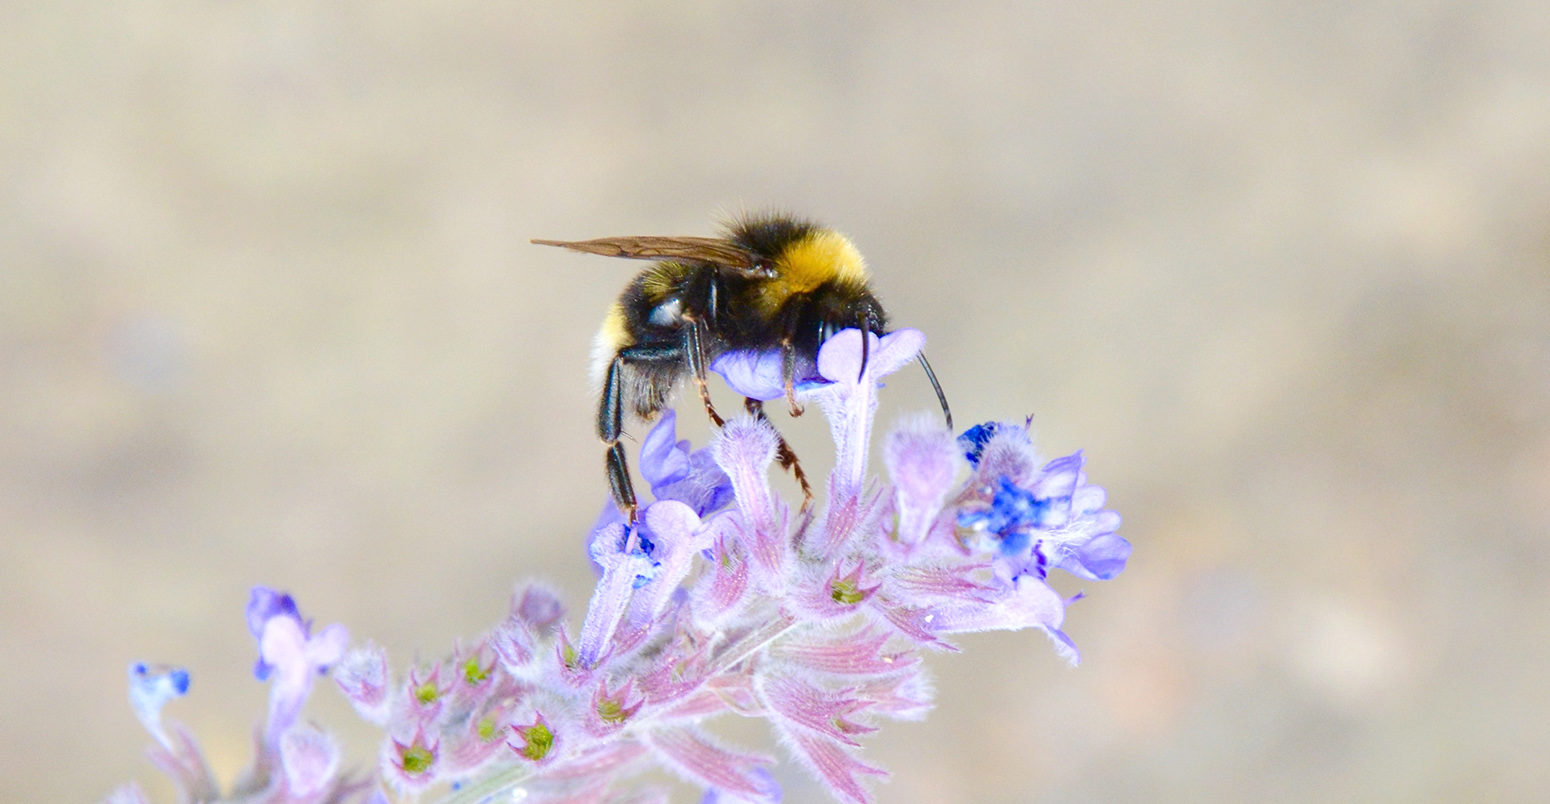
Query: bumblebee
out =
(770, 282)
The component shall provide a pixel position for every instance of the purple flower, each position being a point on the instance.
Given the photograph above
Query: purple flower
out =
(295, 761)
(675, 472)
(719, 599)
(264, 604)
(745, 449)
(294, 658)
(150, 688)
(761, 375)
(923, 461)
(626, 566)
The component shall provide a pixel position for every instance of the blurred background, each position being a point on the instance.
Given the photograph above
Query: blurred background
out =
(268, 314)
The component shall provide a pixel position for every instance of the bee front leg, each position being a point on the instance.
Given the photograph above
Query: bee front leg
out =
(788, 370)
(610, 418)
(610, 425)
(783, 453)
(788, 356)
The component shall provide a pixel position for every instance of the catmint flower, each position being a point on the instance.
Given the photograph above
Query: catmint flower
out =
(294, 658)
(761, 375)
(295, 761)
(265, 604)
(674, 472)
(626, 565)
(746, 448)
(718, 600)
(150, 688)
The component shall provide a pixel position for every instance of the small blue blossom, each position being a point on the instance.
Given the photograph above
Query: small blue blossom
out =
(1012, 516)
(150, 688)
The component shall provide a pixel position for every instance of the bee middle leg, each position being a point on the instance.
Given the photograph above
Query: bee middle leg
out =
(783, 453)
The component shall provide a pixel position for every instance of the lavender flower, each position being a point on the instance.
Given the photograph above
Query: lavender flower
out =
(294, 761)
(720, 599)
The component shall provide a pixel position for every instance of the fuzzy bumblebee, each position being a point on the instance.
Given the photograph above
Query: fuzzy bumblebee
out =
(773, 282)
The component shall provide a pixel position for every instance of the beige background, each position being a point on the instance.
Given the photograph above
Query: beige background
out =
(267, 314)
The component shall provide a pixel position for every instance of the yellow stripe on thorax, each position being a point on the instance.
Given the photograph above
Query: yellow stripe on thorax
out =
(820, 257)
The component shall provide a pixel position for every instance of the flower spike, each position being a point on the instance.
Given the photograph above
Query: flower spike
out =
(714, 600)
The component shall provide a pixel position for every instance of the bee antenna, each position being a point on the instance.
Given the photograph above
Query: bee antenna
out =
(866, 343)
(940, 397)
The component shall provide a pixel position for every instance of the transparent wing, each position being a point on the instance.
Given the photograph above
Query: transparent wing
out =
(712, 250)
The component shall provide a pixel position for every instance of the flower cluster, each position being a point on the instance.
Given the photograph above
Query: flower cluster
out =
(721, 598)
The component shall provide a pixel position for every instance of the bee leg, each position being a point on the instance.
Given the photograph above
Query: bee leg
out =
(783, 454)
(610, 419)
(700, 300)
(610, 425)
(788, 356)
(788, 370)
(694, 348)
(619, 483)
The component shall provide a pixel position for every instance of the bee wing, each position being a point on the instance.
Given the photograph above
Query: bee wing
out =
(711, 250)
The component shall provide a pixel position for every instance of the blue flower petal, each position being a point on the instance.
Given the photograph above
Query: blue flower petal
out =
(756, 375)
(663, 458)
(975, 438)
